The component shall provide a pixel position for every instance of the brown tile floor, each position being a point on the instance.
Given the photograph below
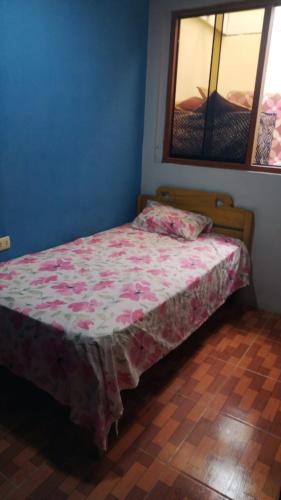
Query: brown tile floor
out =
(205, 423)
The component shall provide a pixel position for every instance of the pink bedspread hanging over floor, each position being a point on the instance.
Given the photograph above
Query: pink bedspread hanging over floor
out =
(84, 320)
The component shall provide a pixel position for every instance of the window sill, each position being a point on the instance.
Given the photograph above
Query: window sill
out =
(222, 165)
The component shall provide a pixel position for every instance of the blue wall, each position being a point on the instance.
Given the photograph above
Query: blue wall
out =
(72, 79)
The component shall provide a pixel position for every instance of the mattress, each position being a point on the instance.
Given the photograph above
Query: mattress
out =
(84, 320)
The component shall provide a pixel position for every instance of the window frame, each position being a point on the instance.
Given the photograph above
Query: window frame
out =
(172, 80)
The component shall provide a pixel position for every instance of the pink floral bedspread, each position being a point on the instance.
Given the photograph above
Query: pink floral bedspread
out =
(84, 320)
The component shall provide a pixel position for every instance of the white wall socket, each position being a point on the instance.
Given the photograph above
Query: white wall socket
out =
(5, 243)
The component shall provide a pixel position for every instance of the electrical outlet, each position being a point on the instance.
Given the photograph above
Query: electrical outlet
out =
(5, 243)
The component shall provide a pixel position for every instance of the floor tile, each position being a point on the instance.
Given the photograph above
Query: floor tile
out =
(92, 475)
(170, 426)
(129, 480)
(245, 318)
(25, 490)
(6, 487)
(252, 398)
(104, 487)
(75, 495)
(264, 357)
(175, 485)
(203, 377)
(124, 442)
(241, 468)
(274, 326)
(69, 484)
(48, 487)
(229, 344)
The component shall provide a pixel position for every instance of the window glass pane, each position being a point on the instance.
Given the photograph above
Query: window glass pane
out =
(217, 63)
(268, 151)
(193, 74)
(194, 59)
(239, 55)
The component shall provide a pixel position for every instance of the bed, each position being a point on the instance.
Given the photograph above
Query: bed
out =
(84, 320)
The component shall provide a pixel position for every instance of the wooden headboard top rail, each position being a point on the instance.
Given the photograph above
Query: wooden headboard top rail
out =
(228, 219)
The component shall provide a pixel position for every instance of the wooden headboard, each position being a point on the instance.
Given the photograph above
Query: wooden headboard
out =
(228, 220)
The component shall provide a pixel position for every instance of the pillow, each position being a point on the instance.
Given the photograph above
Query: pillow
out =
(218, 104)
(191, 104)
(241, 98)
(170, 221)
(152, 203)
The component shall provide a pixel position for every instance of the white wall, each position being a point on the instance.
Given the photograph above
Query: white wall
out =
(238, 63)
(259, 192)
(195, 52)
(273, 74)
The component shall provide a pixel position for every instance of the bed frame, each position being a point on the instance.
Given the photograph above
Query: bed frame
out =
(228, 220)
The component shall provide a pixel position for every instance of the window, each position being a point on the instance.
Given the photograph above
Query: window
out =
(224, 91)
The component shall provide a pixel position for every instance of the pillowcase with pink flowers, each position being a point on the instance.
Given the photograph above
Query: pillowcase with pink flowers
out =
(170, 221)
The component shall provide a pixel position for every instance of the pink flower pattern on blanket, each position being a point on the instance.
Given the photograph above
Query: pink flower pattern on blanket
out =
(128, 317)
(70, 288)
(8, 276)
(52, 305)
(193, 262)
(44, 280)
(84, 306)
(138, 291)
(102, 285)
(83, 325)
(57, 265)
